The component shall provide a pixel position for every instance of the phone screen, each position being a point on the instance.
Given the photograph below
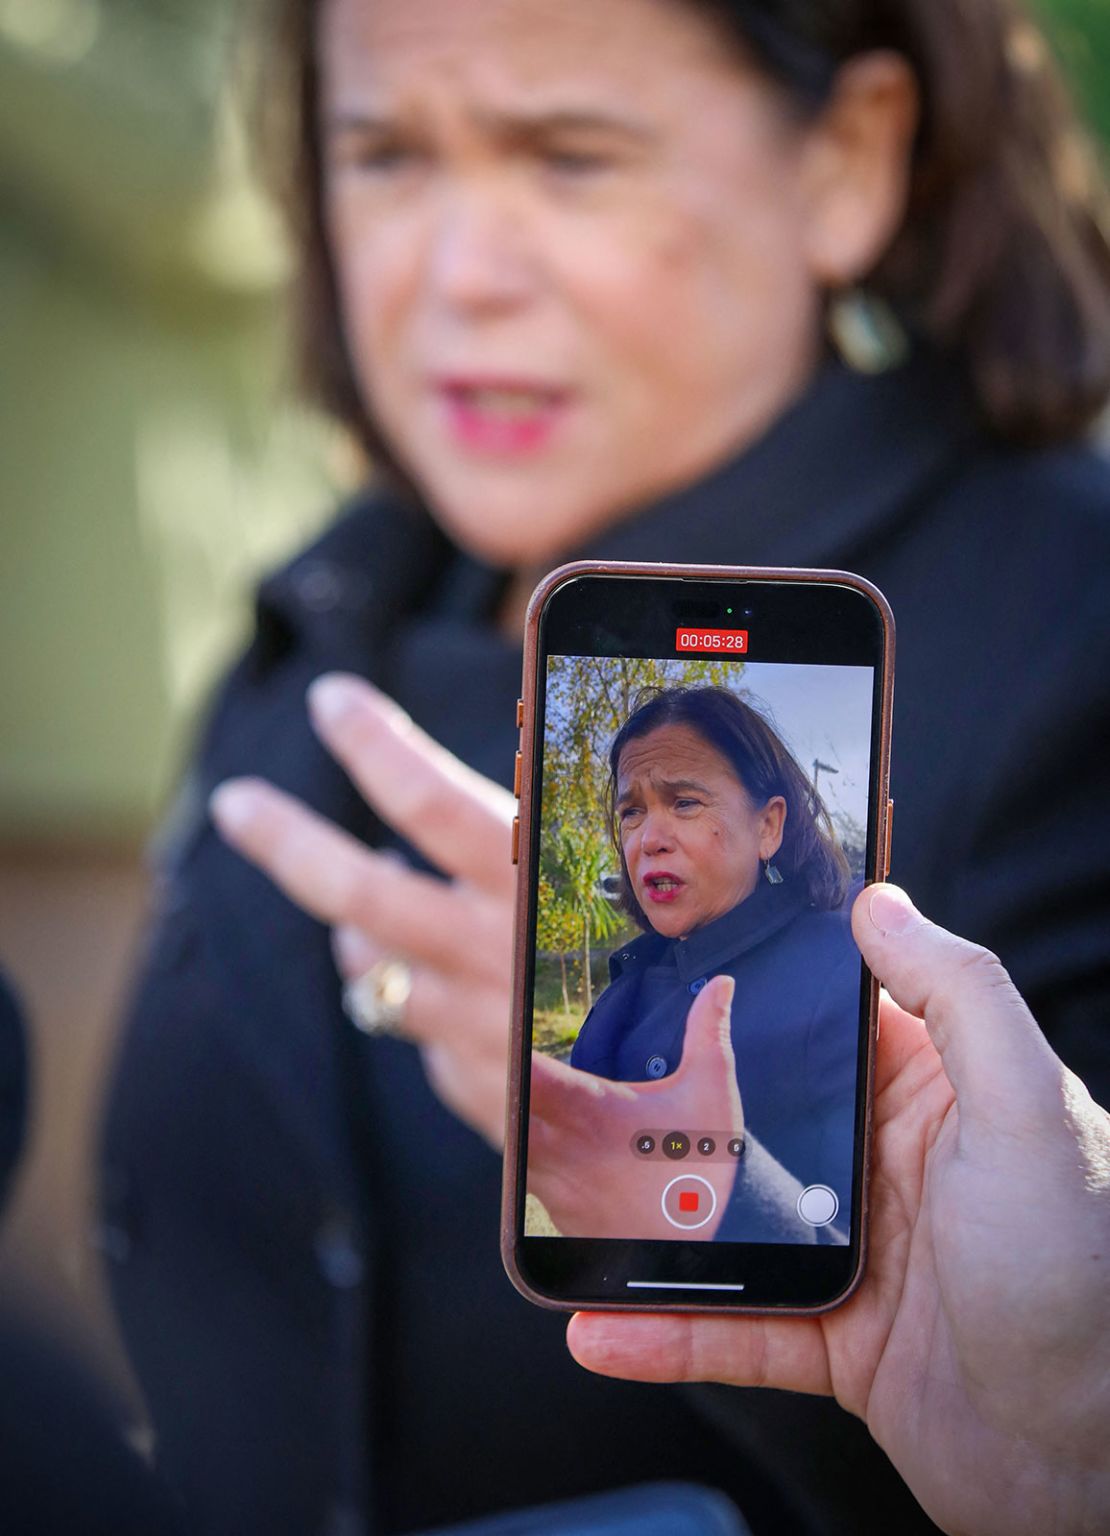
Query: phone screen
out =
(706, 773)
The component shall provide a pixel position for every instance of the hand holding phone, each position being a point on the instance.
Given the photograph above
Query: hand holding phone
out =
(976, 1349)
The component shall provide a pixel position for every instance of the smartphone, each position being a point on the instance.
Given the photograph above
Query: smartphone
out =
(703, 782)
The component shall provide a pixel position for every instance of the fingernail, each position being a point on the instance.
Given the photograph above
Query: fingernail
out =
(232, 805)
(353, 954)
(891, 909)
(332, 699)
(725, 991)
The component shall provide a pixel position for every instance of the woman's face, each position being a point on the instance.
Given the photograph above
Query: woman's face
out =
(691, 836)
(570, 244)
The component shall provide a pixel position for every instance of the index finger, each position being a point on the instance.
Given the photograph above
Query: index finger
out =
(458, 819)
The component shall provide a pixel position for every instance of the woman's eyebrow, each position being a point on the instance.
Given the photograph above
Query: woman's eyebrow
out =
(526, 126)
(346, 120)
(518, 126)
(667, 786)
(676, 786)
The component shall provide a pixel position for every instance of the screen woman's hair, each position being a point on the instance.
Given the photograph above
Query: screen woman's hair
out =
(810, 856)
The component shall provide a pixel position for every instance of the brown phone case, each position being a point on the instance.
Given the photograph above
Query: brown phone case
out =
(524, 856)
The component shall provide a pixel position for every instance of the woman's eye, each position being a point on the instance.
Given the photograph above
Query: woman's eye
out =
(381, 159)
(574, 163)
(629, 812)
(686, 804)
(373, 157)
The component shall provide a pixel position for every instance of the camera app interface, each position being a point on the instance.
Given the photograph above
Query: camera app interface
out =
(697, 992)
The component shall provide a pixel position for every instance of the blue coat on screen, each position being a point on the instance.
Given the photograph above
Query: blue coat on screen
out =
(795, 1029)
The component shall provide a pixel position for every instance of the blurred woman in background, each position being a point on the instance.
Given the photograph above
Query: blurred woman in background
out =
(708, 280)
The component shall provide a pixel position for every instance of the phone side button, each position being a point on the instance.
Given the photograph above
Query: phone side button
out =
(889, 834)
(516, 839)
(519, 714)
(516, 774)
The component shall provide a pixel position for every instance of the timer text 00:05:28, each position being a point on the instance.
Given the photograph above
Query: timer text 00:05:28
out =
(711, 641)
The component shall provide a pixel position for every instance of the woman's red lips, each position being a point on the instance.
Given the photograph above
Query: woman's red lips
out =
(501, 415)
(661, 885)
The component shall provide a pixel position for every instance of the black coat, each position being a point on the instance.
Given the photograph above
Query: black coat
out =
(304, 1242)
(795, 1032)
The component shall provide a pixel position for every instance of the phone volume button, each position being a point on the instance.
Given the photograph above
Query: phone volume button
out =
(519, 714)
(516, 840)
(516, 774)
(889, 835)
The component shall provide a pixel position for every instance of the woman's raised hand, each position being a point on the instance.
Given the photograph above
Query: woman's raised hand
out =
(455, 935)
(977, 1348)
(582, 1163)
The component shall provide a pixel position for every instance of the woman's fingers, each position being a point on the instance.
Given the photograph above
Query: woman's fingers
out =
(474, 1089)
(337, 879)
(460, 821)
(434, 1012)
(355, 952)
(993, 1053)
(787, 1353)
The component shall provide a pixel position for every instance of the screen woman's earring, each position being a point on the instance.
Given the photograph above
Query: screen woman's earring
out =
(772, 873)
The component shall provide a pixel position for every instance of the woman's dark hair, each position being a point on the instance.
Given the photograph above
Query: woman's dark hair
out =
(810, 856)
(1003, 260)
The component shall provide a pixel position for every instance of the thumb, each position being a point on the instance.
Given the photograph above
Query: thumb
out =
(993, 1053)
(707, 1044)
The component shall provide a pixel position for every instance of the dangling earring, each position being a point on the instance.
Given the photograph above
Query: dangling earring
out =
(866, 332)
(771, 873)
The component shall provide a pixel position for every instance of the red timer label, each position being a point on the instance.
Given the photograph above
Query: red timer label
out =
(711, 642)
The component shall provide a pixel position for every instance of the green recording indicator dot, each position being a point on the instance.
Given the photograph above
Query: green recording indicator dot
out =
(728, 610)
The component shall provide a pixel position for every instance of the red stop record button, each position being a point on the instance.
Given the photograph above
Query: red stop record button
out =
(711, 642)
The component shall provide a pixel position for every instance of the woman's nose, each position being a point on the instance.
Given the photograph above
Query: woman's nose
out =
(478, 261)
(656, 836)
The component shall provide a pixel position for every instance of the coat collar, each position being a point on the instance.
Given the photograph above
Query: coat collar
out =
(853, 454)
(346, 594)
(711, 948)
(867, 451)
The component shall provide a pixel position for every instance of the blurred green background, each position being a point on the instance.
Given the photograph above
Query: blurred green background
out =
(151, 454)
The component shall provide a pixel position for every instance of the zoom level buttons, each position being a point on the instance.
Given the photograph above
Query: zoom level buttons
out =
(697, 1144)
